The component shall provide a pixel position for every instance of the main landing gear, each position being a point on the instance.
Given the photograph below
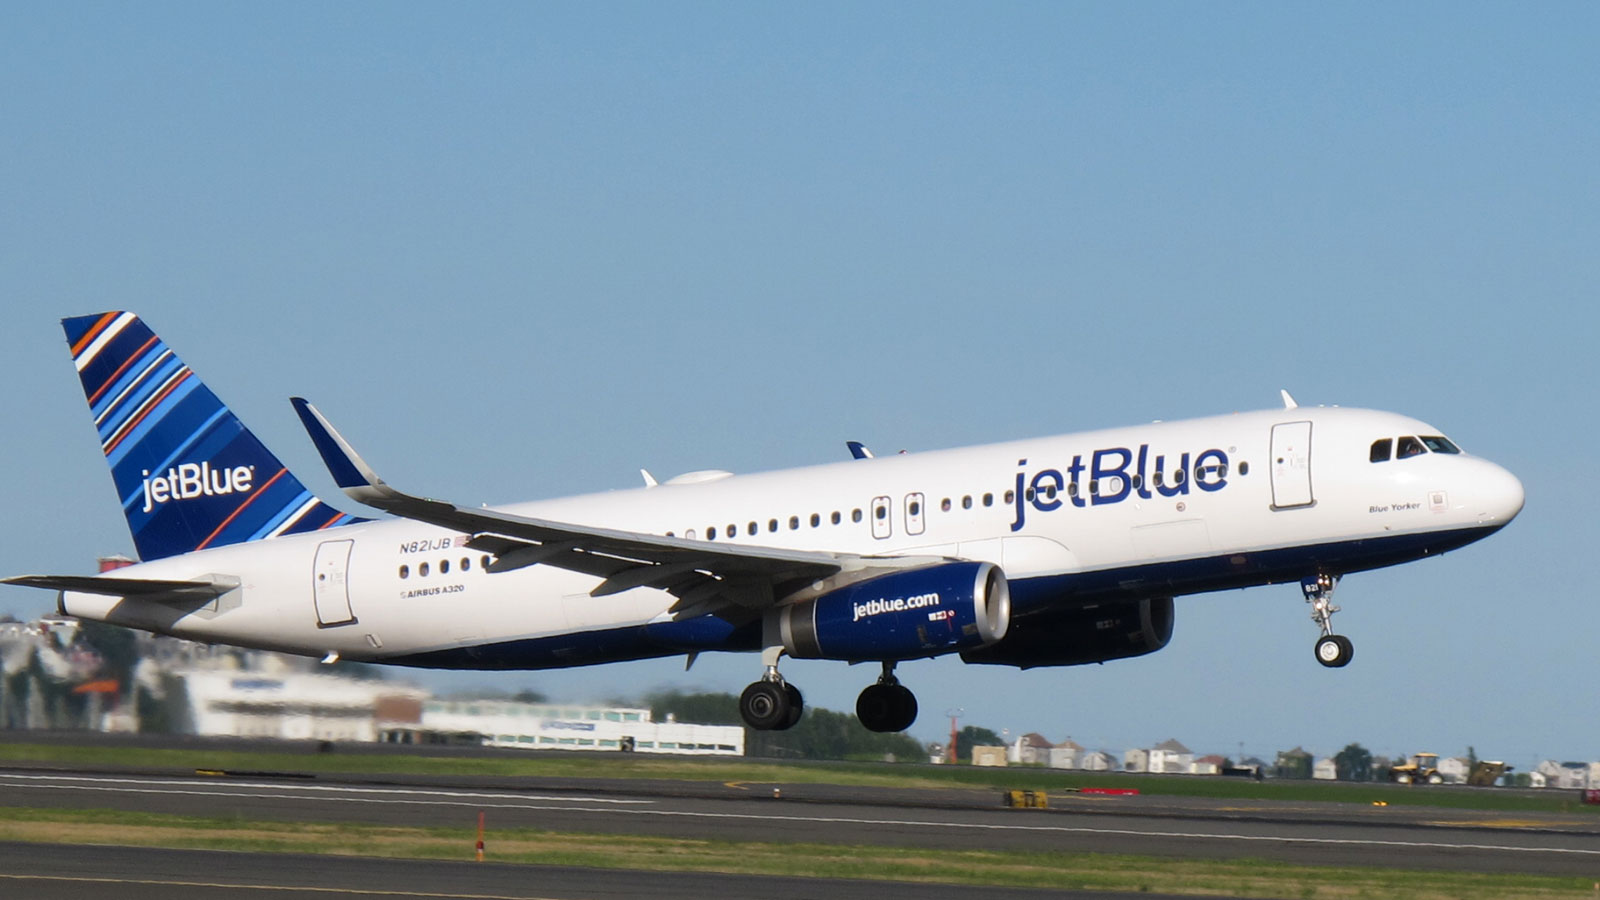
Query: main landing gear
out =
(773, 704)
(1333, 650)
(888, 705)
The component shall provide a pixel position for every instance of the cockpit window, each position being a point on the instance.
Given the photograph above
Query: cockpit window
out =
(1439, 444)
(1381, 450)
(1408, 447)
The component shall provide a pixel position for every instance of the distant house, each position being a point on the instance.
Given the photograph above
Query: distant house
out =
(1171, 757)
(1325, 770)
(1564, 776)
(1207, 765)
(1136, 760)
(1030, 749)
(1097, 761)
(1455, 769)
(989, 756)
(1294, 763)
(1066, 755)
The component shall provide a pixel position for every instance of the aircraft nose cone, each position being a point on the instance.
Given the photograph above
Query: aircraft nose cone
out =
(1502, 496)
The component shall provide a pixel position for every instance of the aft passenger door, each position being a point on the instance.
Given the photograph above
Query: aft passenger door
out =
(1291, 465)
(329, 584)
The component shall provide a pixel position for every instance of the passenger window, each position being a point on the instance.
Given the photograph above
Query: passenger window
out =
(1028, 494)
(835, 517)
(711, 533)
(405, 571)
(733, 530)
(988, 499)
(881, 512)
(422, 570)
(1155, 478)
(944, 505)
(1138, 480)
(444, 567)
(466, 564)
(1011, 497)
(1094, 487)
(1380, 450)
(966, 502)
(752, 528)
(794, 523)
(815, 520)
(485, 561)
(772, 524)
(1244, 468)
(1408, 447)
(690, 534)
(1072, 489)
(855, 515)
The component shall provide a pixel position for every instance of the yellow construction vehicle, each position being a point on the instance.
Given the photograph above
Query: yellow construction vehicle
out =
(1422, 768)
(1487, 772)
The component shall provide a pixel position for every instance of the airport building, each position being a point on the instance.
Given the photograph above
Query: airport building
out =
(548, 726)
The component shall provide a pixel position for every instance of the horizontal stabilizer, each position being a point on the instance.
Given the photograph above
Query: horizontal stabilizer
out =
(125, 587)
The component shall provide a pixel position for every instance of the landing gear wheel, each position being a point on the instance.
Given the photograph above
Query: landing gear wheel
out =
(797, 705)
(886, 707)
(766, 705)
(905, 708)
(1334, 650)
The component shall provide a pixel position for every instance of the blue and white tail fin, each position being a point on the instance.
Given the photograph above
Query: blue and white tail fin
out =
(188, 473)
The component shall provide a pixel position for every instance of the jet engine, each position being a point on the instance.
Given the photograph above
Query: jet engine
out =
(1089, 634)
(906, 615)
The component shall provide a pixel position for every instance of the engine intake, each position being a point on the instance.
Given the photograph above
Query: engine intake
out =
(906, 615)
(1090, 634)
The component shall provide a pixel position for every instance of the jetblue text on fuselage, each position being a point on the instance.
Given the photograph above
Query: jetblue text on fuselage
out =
(1114, 474)
(190, 480)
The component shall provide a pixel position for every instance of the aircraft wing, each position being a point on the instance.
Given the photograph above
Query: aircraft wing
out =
(725, 579)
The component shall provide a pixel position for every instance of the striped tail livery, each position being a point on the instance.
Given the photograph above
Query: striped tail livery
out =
(189, 474)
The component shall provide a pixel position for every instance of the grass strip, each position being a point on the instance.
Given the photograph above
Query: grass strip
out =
(722, 769)
(1051, 870)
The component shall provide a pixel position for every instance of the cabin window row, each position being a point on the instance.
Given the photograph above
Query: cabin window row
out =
(424, 569)
(968, 501)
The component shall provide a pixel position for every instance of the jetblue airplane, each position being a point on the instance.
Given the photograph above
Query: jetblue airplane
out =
(1053, 551)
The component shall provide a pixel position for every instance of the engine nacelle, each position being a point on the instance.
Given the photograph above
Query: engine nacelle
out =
(1091, 634)
(907, 615)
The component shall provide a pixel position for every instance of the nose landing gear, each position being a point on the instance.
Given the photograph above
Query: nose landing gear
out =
(1332, 650)
(771, 704)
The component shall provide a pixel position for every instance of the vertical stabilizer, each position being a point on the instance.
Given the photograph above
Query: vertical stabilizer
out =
(188, 473)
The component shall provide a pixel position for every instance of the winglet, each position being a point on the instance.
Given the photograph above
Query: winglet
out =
(350, 472)
(1288, 401)
(858, 450)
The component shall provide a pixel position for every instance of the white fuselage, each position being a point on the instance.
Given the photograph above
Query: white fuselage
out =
(1261, 498)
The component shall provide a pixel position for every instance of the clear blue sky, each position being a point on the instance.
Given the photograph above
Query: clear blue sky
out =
(521, 250)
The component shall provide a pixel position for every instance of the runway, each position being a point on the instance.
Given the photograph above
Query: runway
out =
(58, 872)
(1315, 834)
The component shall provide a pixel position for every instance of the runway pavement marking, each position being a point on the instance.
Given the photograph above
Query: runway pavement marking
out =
(281, 888)
(221, 789)
(295, 792)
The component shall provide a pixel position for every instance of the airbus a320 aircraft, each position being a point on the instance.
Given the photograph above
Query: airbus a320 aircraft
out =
(1053, 551)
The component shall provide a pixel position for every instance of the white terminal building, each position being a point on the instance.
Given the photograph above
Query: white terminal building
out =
(548, 726)
(313, 706)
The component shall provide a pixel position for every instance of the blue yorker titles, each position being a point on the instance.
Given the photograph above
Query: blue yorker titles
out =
(1114, 474)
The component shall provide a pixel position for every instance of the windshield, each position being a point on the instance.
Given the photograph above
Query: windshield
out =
(1439, 444)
